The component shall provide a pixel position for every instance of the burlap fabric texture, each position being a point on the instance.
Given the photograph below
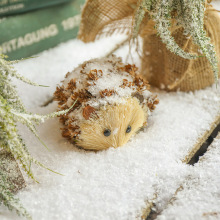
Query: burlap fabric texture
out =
(160, 67)
(168, 71)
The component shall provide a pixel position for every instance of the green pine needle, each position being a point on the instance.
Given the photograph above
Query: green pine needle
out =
(12, 111)
(8, 199)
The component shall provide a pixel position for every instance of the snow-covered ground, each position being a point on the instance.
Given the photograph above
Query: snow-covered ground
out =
(114, 183)
(200, 197)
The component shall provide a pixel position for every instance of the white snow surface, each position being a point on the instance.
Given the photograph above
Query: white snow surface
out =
(114, 183)
(200, 197)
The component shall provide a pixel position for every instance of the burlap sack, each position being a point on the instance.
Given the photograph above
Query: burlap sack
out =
(160, 67)
(168, 71)
(104, 17)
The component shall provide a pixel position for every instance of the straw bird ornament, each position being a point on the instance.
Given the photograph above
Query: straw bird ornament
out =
(112, 102)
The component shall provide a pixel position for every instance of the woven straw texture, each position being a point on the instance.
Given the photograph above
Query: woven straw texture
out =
(160, 67)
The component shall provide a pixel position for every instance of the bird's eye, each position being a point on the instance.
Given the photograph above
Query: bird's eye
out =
(128, 130)
(107, 132)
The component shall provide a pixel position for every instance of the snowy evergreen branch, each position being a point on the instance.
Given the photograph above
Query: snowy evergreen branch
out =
(189, 14)
(8, 199)
(12, 111)
(9, 70)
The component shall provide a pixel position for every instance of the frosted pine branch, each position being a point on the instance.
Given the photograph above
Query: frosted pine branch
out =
(12, 111)
(8, 198)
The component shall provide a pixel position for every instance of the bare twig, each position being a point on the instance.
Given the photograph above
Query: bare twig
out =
(117, 46)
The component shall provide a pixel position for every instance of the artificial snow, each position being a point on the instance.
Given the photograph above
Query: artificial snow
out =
(200, 196)
(109, 77)
(114, 183)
